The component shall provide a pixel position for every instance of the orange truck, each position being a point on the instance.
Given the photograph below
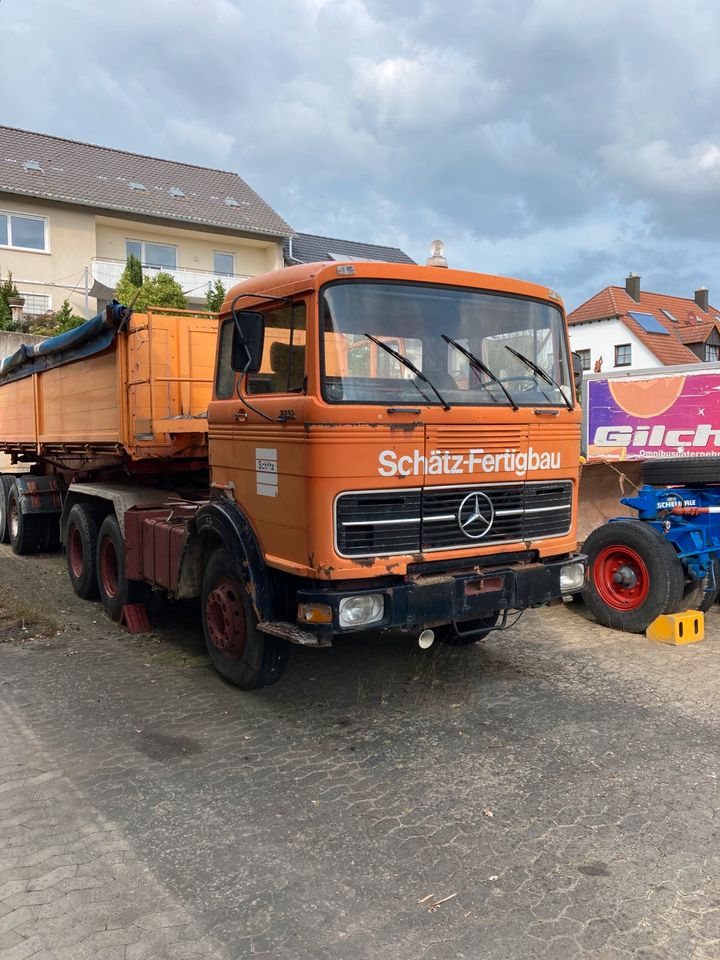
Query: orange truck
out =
(347, 447)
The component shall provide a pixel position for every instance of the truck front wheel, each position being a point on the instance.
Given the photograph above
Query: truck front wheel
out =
(113, 585)
(240, 653)
(81, 540)
(635, 575)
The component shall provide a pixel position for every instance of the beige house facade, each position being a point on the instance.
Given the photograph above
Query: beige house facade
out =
(71, 213)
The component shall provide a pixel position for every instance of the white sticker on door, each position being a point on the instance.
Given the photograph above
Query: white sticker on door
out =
(266, 471)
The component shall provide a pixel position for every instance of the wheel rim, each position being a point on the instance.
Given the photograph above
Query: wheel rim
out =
(109, 568)
(225, 618)
(13, 519)
(621, 577)
(76, 555)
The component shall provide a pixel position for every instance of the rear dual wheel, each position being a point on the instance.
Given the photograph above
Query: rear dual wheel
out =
(115, 590)
(635, 575)
(5, 484)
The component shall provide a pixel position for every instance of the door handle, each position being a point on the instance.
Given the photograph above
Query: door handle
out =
(240, 415)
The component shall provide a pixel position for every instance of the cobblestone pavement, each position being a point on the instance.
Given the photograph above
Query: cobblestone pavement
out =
(558, 784)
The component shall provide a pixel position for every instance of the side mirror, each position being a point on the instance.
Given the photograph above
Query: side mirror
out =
(577, 372)
(248, 340)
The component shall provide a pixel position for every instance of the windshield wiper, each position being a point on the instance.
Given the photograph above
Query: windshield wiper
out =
(411, 366)
(541, 373)
(479, 365)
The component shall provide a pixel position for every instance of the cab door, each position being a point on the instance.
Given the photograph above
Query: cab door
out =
(256, 432)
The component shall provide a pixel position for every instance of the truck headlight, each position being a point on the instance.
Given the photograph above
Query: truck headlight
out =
(361, 610)
(572, 577)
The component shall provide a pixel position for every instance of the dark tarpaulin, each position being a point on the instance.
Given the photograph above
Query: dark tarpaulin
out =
(90, 338)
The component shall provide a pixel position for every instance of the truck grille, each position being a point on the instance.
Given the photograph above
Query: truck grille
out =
(421, 519)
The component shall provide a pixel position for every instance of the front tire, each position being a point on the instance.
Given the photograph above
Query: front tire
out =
(240, 653)
(635, 575)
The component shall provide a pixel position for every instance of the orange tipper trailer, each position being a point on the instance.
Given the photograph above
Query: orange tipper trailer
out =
(389, 447)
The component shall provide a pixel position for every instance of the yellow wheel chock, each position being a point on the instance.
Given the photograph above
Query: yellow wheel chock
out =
(678, 628)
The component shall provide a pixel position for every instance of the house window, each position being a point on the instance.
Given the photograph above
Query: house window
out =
(161, 255)
(712, 352)
(25, 233)
(623, 355)
(36, 304)
(585, 358)
(224, 263)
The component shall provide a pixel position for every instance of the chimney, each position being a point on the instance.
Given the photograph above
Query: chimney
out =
(632, 287)
(702, 298)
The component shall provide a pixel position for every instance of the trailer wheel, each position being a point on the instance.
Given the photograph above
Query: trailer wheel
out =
(635, 575)
(681, 470)
(5, 484)
(450, 636)
(27, 531)
(240, 653)
(81, 540)
(113, 585)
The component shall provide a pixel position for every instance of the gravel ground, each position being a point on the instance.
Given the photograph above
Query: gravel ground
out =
(557, 784)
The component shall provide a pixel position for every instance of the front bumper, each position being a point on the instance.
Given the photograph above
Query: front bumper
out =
(426, 600)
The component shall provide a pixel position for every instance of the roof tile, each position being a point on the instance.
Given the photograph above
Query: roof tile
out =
(85, 174)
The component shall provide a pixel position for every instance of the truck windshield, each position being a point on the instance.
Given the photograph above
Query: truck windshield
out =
(412, 319)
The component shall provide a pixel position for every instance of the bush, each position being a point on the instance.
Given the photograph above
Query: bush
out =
(52, 324)
(158, 291)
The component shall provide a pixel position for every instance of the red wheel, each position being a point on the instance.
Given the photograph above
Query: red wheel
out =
(225, 617)
(636, 575)
(81, 541)
(116, 591)
(109, 568)
(621, 577)
(239, 651)
(76, 556)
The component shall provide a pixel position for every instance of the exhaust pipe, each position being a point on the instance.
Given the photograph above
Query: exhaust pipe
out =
(426, 639)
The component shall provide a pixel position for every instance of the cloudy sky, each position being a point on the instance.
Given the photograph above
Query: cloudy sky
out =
(565, 141)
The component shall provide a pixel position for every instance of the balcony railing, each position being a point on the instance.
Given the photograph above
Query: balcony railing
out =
(195, 283)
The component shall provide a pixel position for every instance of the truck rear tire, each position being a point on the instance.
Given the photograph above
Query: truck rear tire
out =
(695, 597)
(113, 585)
(681, 470)
(81, 541)
(240, 653)
(27, 531)
(5, 484)
(635, 575)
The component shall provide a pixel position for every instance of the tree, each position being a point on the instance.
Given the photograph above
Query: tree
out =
(8, 290)
(215, 296)
(133, 268)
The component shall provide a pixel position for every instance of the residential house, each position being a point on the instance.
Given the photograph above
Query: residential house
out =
(627, 328)
(71, 212)
(309, 248)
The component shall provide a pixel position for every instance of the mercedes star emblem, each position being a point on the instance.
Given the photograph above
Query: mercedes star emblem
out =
(475, 515)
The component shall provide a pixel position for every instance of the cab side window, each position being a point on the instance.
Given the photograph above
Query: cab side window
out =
(225, 375)
(283, 362)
